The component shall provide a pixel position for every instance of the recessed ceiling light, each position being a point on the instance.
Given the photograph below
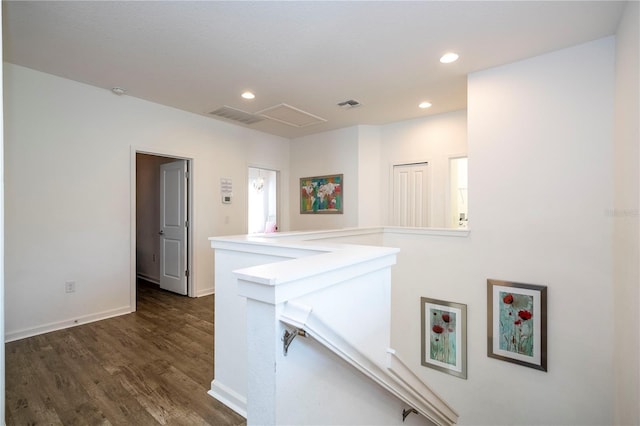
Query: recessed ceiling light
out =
(248, 95)
(447, 58)
(424, 105)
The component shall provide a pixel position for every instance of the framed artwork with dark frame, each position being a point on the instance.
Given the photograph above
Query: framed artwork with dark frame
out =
(517, 323)
(321, 194)
(444, 336)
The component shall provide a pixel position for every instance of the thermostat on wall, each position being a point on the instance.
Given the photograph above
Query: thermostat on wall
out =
(226, 188)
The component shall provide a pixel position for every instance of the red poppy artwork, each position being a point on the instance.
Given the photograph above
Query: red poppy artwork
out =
(517, 323)
(443, 341)
(516, 331)
(444, 336)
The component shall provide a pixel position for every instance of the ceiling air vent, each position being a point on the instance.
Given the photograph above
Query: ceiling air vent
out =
(291, 116)
(349, 104)
(237, 115)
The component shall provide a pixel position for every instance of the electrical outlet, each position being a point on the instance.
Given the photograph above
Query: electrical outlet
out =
(70, 286)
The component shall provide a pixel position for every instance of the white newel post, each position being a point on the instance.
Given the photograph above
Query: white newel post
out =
(232, 253)
(263, 333)
(268, 288)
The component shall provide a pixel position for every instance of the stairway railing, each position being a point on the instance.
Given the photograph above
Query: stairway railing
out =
(265, 288)
(395, 376)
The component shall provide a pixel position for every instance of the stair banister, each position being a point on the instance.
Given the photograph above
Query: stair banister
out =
(278, 296)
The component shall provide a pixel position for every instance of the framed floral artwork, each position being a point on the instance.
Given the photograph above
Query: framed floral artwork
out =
(444, 336)
(517, 323)
(321, 194)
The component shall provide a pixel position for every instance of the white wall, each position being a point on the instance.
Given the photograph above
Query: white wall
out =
(625, 214)
(369, 177)
(327, 153)
(68, 201)
(366, 155)
(540, 170)
(432, 139)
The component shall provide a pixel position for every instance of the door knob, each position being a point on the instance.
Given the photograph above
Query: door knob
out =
(161, 232)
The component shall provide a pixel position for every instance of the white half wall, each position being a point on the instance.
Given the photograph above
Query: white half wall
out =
(68, 201)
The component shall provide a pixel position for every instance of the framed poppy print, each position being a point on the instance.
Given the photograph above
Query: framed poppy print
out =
(444, 336)
(517, 323)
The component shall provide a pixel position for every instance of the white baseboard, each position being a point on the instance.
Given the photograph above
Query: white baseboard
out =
(148, 278)
(229, 397)
(10, 336)
(199, 293)
(206, 292)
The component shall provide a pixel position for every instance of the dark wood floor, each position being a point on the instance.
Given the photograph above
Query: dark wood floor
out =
(147, 368)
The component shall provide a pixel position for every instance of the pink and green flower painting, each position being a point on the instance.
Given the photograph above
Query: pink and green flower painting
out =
(516, 324)
(443, 336)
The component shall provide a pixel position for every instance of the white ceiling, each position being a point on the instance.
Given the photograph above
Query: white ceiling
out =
(200, 56)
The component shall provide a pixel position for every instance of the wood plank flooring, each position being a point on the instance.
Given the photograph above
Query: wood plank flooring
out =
(152, 367)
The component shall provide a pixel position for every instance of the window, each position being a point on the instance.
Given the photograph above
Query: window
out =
(459, 217)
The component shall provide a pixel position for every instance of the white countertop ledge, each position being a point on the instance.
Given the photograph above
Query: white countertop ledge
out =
(343, 256)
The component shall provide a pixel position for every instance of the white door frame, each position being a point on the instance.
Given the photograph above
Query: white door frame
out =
(191, 256)
(448, 200)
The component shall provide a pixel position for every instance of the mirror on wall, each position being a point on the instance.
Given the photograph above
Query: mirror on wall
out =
(458, 178)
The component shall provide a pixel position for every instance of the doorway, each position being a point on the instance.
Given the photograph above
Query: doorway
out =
(262, 201)
(458, 193)
(410, 195)
(162, 231)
